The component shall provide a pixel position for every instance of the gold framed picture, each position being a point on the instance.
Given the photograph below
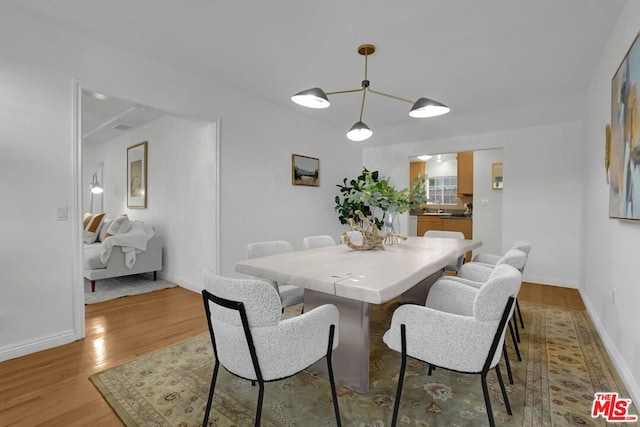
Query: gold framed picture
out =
(137, 176)
(496, 176)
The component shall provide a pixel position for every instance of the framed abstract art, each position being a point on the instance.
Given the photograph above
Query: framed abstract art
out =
(623, 157)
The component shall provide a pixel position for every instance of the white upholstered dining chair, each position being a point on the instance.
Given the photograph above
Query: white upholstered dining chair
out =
(289, 294)
(251, 341)
(448, 235)
(311, 242)
(476, 274)
(460, 328)
(493, 259)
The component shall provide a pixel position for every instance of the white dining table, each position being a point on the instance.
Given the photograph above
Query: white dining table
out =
(352, 280)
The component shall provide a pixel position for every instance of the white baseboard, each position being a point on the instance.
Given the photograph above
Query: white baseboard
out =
(548, 281)
(192, 286)
(618, 362)
(38, 344)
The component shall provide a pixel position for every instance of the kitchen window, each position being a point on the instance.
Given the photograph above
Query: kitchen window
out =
(442, 190)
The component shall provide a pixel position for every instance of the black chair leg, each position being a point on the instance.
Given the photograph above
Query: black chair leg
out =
(515, 342)
(507, 363)
(431, 368)
(487, 400)
(504, 391)
(515, 327)
(403, 365)
(205, 421)
(334, 394)
(259, 409)
(519, 313)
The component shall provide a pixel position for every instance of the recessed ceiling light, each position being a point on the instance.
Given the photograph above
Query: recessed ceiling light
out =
(99, 96)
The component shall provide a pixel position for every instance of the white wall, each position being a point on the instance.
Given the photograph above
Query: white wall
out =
(541, 198)
(610, 246)
(487, 203)
(41, 300)
(181, 192)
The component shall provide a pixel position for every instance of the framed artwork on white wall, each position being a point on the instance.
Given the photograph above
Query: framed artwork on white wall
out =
(305, 170)
(137, 176)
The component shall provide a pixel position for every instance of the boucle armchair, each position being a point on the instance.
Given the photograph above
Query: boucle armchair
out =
(251, 340)
(312, 242)
(475, 273)
(289, 294)
(493, 259)
(464, 336)
(448, 235)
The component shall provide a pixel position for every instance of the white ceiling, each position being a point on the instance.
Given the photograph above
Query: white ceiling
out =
(104, 119)
(497, 63)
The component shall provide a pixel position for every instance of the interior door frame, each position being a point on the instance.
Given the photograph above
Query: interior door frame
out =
(78, 277)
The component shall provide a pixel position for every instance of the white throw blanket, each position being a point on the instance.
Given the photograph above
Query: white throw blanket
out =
(132, 243)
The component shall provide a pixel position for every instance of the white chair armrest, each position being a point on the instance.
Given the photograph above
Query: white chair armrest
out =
(295, 343)
(476, 272)
(491, 259)
(442, 339)
(451, 296)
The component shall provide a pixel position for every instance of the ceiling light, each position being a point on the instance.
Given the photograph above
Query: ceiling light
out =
(317, 98)
(424, 157)
(312, 98)
(359, 132)
(95, 186)
(99, 96)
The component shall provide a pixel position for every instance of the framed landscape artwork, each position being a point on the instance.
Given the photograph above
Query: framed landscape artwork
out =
(137, 176)
(624, 148)
(305, 170)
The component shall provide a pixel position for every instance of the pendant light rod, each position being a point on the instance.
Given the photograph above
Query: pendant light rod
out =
(391, 96)
(364, 95)
(345, 91)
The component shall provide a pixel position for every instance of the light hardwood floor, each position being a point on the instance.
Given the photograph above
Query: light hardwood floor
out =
(51, 388)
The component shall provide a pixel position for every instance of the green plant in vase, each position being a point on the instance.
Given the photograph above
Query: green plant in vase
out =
(346, 207)
(378, 193)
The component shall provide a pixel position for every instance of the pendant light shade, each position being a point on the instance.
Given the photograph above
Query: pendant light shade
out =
(359, 132)
(317, 98)
(312, 98)
(425, 107)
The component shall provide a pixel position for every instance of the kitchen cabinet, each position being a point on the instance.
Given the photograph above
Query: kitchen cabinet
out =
(415, 170)
(465, 173)
(446, 223)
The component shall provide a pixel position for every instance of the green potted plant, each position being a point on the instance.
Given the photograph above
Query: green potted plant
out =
(378, 193)
(346, 207)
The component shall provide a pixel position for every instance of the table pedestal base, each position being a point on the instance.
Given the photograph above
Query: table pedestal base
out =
(351, 358)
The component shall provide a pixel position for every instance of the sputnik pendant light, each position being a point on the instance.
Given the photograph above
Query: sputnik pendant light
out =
(317, 98)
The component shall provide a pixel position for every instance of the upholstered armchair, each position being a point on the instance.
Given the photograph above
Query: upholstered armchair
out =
(476, 276)
(461, 328)
(448, 235)
(289, 294)
(251, 341)
(311, 242)
(478, 272)
(492, 259)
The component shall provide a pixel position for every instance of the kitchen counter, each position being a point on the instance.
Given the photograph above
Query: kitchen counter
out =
(442, 215)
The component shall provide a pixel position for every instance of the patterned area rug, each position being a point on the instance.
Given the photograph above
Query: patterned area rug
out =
(107, 289)
(564, 364)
